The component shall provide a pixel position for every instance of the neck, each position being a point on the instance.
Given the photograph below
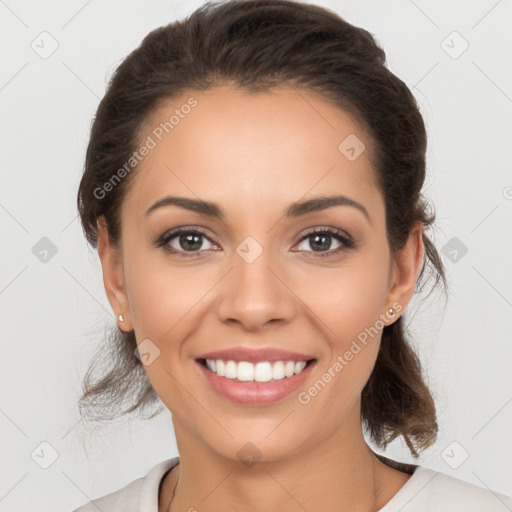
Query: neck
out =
(339, 473)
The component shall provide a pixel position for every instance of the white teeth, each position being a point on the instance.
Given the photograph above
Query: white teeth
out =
(245, 371)
(299, 366)
(263, 372)
(289, 368)
(230, 370)
(260, 372)
(220, 367)
(278, 370)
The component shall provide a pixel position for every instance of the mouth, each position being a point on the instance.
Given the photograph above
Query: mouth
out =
(255, 384)
(261, 372)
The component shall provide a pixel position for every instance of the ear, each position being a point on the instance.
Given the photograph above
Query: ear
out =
(406, 266)
(113, 278)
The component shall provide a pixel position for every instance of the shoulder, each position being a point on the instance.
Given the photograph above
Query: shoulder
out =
(429, 490)
(125, 499)
(141, 494)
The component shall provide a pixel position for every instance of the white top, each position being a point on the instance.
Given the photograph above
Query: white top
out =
(425, 491)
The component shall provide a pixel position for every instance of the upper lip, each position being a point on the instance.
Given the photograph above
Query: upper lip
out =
(255, 355)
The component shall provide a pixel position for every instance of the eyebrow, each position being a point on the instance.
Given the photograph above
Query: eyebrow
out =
(293, 211)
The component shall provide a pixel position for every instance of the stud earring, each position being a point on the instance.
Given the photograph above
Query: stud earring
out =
(391, 311)
(121, 319)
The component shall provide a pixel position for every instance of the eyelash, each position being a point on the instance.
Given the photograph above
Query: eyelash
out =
(338, 235)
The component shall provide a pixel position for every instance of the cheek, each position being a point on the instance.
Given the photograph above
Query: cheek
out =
(348, 306)
(350, 299)
(352, 332)
(161, 294)
(164, 304)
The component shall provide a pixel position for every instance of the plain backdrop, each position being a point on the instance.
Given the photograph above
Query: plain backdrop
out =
(455, 56)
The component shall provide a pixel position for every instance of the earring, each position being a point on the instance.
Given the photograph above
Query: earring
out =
(391, 311)
(121, 319)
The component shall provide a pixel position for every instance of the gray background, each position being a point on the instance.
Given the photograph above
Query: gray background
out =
(54, 306)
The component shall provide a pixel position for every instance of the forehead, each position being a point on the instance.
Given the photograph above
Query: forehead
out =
(256, 150)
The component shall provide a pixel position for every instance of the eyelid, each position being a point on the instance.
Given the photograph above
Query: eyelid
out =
(174, 232)
(327, 229)
(345, 240)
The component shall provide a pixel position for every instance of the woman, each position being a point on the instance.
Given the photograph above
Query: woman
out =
(253, 187)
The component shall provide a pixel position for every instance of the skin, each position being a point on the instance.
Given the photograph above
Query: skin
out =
(254, 155)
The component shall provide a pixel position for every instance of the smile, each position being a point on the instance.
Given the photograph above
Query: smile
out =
(264, 371)
(262, 383)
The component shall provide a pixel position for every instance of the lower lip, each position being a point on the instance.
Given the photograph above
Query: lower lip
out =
(255, 393)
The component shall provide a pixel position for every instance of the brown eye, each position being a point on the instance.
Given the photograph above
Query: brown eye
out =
(183, 241)
(190, 241)
(321, 240)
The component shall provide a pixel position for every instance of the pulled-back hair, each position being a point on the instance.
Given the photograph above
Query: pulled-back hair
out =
(258, 45)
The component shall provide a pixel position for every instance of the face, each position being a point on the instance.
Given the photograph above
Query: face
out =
(262, 274)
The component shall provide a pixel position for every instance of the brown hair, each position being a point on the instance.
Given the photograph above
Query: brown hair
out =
(257, 45)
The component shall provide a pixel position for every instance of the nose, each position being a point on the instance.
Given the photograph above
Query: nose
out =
(256, 293)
